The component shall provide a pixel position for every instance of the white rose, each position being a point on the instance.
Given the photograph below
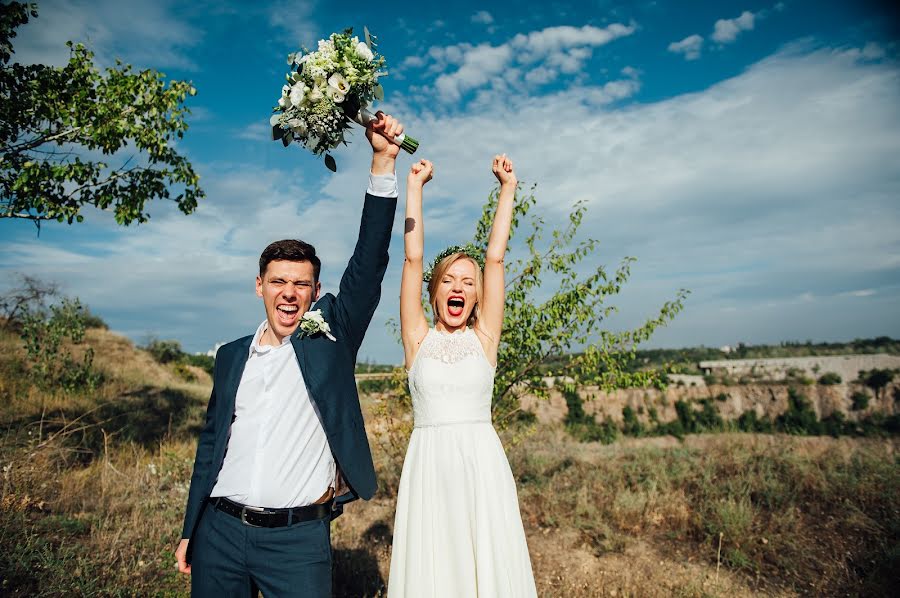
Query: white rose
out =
(364, 52)
(297, 126)
(338, 82)
(273, 120)
(315, 95)
(282, 102)
(298, 91)
(335, 94)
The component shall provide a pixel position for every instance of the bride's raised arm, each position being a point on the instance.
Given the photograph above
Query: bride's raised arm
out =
(490, 320)
(413, 324)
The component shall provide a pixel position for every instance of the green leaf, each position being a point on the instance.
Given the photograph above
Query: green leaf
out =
(330, 163)
(379, 92)
(93, 112)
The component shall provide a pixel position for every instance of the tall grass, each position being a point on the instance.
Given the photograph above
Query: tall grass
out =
(93, 488)
(806, 515)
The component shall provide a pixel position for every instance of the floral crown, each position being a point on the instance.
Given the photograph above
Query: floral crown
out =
(469, 249)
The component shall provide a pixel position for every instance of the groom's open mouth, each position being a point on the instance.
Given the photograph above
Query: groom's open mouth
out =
(455, 305)
(287, 314)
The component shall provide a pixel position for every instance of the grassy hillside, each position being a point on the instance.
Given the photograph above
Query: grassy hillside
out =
(94, 485)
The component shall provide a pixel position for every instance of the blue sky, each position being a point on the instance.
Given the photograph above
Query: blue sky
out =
(747, 151)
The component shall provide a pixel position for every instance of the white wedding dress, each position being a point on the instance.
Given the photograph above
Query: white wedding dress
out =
(457, 531)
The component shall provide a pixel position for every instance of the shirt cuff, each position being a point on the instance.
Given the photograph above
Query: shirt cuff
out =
(383, 185)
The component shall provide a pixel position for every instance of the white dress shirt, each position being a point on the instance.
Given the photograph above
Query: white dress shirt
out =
(278, 455)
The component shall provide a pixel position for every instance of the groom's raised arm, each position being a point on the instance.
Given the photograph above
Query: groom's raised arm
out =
(360, 287)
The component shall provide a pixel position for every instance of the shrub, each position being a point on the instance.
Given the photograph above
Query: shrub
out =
(375, 385)
(584, 427)
(92, 320)
(799, 417)
(29, 297)
(750, 422)
(686, 417)
(631, 425)
(860, 400)
(51, 364)
(525, 417)
(164, 351)
(708, 419)
(876, 379)
(835, 424)
(830, 379)
(203, 361)
(184, 372)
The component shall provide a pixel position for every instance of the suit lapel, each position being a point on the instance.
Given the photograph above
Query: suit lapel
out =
(300, 346)
(233, 379)
(298, 343)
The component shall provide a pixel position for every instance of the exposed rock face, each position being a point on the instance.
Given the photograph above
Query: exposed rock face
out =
(767, 400)
(847, 367)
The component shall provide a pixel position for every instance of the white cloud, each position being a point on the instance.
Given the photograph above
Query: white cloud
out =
(412, 61)
(480, 64)
(543, 55)
(689, 46)
(726, 30)
(295, 19)
(482, 17)
(143, 33)
(553, 39)
(773, 185)
(258, 131)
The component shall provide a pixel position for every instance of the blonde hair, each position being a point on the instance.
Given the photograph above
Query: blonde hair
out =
(438, 273)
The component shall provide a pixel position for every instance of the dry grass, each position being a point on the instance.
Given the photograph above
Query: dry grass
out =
(93, 491)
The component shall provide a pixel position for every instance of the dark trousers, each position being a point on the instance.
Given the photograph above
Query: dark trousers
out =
(233, 559)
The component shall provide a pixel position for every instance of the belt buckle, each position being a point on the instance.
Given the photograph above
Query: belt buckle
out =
(244, 516)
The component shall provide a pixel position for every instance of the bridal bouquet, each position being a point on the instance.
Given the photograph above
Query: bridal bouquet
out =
(327, 90)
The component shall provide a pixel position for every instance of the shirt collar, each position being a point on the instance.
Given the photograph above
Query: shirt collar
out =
(255, 347)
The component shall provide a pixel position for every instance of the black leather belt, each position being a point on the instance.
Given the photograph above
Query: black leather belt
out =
(258, 517)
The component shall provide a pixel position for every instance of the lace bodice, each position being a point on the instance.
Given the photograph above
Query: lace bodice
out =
(451, 380)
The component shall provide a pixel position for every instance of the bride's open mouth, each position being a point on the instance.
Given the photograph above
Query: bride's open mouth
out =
(287, 314)
(455, 305)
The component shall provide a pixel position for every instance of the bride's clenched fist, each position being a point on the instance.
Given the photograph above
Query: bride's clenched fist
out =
(502, 168)
(420, 173)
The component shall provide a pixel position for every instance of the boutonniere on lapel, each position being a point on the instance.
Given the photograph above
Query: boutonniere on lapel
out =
(312, 323)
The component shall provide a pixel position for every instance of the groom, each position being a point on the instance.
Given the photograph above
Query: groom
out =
(284, 446)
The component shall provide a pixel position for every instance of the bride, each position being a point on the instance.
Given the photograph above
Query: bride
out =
(457, 530)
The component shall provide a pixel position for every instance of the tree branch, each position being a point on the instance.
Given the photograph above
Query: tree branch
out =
(30, 145)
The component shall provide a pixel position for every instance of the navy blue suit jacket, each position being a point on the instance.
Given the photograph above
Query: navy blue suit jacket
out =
(327, 367)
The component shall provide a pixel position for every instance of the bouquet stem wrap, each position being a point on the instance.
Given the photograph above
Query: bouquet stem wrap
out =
(406, 143)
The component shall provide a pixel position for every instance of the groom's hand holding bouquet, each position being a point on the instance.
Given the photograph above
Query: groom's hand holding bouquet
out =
(384, 152)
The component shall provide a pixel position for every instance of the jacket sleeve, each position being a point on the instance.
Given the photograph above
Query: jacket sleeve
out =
(360, 288)
(202, 463)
